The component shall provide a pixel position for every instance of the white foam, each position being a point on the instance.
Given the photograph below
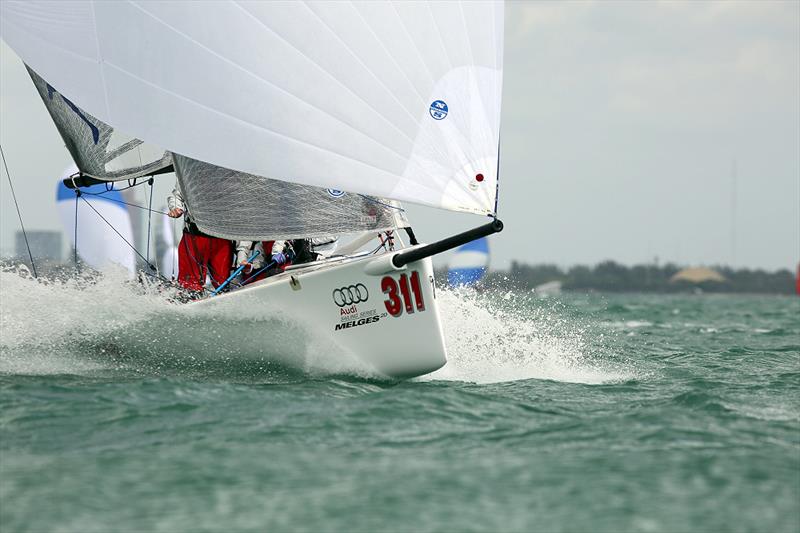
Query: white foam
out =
(507, 337)
(49, 327)
(83, 324)
(43, 323)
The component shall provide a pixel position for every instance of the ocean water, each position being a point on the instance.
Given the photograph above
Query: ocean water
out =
(569, 413)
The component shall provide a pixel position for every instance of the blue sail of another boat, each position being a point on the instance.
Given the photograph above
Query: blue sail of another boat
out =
(469, 264)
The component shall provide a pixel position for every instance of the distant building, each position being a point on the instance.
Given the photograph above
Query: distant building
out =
(45, 245)
(698, 275)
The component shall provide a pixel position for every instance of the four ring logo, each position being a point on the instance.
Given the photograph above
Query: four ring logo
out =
(352, 294)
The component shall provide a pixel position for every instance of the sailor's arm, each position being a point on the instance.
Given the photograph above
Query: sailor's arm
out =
(245, 249)
(279, 252)
(175, 202)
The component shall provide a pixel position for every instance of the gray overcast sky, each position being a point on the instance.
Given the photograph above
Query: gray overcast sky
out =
(621, 124)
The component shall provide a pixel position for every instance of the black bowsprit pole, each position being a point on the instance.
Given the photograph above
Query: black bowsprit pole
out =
(403, 258)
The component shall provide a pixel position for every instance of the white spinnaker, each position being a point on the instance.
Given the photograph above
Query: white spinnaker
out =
(338, 95)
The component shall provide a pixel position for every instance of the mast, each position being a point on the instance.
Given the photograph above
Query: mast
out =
(733, 213)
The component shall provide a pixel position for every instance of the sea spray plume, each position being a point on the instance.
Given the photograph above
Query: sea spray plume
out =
(92, 322)
(74, 325)
(45, 323)
(499, 335)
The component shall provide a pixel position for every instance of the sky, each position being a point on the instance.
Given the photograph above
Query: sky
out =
(630, 131)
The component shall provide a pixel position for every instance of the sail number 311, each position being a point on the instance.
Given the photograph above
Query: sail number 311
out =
(399, 294)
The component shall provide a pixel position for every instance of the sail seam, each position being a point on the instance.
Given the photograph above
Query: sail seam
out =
(411, 40)
(367, 69)
(439, 36)
(389, 54)
(331, 76)
(423, 131)
(266, 82)
(100, 61)
(427, 69)
(272, 132)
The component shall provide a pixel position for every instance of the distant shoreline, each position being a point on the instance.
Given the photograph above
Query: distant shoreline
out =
(607, 276)
(610, 276)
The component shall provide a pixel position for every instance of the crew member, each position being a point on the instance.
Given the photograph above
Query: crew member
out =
(254, 269)
(282, 253)
(198, 254)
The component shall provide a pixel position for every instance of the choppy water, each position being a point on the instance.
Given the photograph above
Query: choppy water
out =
(580, 413)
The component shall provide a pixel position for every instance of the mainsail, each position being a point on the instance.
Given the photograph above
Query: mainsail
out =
(392, 99)
(235, 205)
(99, 150)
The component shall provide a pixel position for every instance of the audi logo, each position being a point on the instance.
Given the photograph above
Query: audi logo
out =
(352, 294)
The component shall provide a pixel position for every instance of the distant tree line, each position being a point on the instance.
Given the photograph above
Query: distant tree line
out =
(610, 276)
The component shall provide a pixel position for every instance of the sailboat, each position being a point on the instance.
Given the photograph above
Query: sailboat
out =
(97, 244)
(289, 120)
(468, 264)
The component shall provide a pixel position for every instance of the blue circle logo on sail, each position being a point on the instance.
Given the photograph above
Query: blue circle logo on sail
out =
(438, 109)
(335, 193)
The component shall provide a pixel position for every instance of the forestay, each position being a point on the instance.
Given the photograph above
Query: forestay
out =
(235, 205)
(98, 149)
(392, 99)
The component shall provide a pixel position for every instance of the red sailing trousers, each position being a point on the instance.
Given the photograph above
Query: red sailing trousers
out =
(199, 255)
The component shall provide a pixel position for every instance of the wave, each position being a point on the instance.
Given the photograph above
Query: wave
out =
(47, 324)
(79, 325)
(498, 336)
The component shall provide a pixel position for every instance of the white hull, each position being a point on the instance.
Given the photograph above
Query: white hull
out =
(304, 317)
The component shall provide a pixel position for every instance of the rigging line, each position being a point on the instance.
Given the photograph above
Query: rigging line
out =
(235, 273)
(75, 229)
(159, 277)
(14, 195)
(259, 271)
(149, 219)
(175, 250)
(125, 203)
(373, 200)
(373, 252)
(497, 179)
(121, 237)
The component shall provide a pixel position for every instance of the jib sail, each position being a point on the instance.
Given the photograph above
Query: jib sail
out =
(235, 205)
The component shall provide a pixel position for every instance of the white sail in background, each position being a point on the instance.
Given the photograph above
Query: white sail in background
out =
(169, 244)
(391, 99)
(101, 243)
